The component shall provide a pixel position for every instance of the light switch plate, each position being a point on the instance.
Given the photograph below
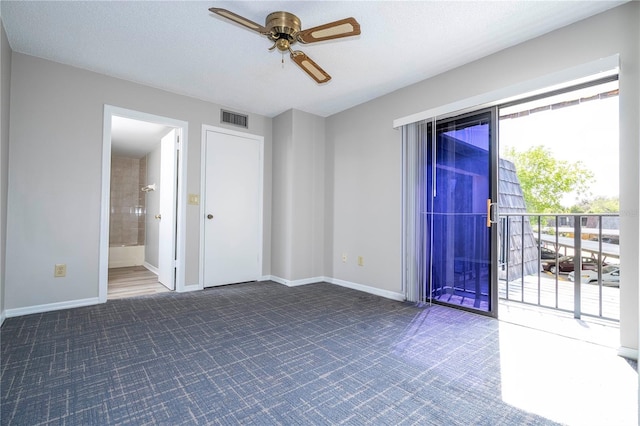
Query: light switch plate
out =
(194, 199)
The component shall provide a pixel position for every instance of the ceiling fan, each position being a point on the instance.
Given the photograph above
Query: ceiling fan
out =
(285, 29)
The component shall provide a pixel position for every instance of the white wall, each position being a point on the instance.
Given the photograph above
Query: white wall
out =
(5, 95)
(55, 176)
(308, 189)
(282, 207)
(366, 196)
(365, 151)
(298, 196)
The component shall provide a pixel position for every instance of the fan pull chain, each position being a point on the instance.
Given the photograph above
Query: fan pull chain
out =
(282, 60)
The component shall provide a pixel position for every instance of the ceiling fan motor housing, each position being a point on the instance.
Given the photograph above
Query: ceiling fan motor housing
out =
(283, 26)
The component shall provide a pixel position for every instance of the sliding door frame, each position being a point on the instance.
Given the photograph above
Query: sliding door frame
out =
(494, 153)
(492, 211)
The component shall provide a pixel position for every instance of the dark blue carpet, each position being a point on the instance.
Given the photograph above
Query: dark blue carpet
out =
(256, 353)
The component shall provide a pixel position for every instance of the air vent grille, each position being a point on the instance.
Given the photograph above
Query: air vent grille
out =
(234, 118)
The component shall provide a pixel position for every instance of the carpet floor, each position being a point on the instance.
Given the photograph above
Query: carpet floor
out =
(256, 353)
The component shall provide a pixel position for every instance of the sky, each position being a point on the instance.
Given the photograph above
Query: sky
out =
(586, 132)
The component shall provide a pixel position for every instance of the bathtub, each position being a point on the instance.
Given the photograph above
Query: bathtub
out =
(121, 256)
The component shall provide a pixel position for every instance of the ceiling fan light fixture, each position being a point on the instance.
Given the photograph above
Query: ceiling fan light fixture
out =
(283, 44)
(285, 29)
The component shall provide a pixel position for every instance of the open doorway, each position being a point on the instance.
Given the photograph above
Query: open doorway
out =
(142, 219)
(559, 210)
(142, 175)
(557, 199)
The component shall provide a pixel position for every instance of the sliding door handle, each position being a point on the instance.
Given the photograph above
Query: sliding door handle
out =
(492, 209)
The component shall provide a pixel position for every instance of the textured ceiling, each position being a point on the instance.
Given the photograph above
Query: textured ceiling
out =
(181, 47)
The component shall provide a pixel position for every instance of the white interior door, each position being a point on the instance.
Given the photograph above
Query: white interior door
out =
(167, 217)
(233, 209)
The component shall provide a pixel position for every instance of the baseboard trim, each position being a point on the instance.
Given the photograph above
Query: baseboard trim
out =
(188, 288)
(367, 289)
(628, 353)
(342, 283)
(151, 268)
(38, 309)
(295, 283)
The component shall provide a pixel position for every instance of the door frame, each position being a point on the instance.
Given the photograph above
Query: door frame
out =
(183, 127)
(494, 192)
(203, 170)
(492, 208)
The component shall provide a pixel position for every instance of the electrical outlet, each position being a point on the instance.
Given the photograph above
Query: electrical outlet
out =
(344, 257)
(360, 261)
(60, 270)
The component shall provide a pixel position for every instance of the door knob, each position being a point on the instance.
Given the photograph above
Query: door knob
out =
(158, 216)
(209, 216)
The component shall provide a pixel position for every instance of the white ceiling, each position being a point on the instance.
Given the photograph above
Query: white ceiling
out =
(181, 47)
(134, 138)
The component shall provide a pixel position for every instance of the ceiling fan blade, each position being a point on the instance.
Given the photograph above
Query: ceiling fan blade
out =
(239, 20)
(343, 28)
(310, 67)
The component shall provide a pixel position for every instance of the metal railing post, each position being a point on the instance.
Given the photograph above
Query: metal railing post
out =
(577, 265)
(600, 301)
(600, 265)
(522, 260)
(556, 260)
(539, 257)
(508, 254)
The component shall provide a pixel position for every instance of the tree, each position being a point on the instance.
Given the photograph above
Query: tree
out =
(545, 180)
(597, 205)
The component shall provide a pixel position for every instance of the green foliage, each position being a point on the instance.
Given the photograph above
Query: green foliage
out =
(545, 180)
(598, 205)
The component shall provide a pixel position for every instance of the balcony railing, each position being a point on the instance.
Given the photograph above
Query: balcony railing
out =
(538, 252)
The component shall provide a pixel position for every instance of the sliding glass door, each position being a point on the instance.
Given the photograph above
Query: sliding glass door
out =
(459, 236)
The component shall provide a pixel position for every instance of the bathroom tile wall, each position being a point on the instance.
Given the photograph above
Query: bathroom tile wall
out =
(126, 224)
